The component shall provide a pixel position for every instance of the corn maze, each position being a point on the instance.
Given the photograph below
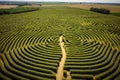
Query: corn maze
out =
(29, 45)
(89, 59)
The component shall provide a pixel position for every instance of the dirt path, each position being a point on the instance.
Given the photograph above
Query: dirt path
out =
(59, 75)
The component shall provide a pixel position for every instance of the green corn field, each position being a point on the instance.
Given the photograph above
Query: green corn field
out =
(29, 44)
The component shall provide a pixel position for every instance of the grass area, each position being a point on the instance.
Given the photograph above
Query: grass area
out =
(116, 14)
(30, 48)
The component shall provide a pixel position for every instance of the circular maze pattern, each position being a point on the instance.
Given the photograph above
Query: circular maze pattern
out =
(29, 45)
(92, 56)
(34, 56)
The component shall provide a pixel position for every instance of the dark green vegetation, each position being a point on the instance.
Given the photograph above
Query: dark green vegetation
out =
(116, 14)
(100, 10)
(29, 46)
(17, 10)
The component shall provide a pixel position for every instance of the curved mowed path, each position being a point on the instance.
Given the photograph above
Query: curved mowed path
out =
(29, 45)
(91, 59)
(33, 57)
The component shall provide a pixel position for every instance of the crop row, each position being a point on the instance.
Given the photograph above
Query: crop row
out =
(92, 55)
(30, 57)
(29, 44)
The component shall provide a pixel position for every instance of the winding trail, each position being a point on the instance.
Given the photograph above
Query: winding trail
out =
(59, 75)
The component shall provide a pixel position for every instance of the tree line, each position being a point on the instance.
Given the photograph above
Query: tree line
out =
(100, 10)
(17, 10)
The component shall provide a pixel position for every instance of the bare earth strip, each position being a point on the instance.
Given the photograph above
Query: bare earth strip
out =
(7, 6)
(59, 75)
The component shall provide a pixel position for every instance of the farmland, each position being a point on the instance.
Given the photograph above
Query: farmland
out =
(30, 47)
(112, 8)
(7, 6)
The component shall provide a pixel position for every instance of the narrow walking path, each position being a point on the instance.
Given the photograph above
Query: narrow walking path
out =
(59, 75)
